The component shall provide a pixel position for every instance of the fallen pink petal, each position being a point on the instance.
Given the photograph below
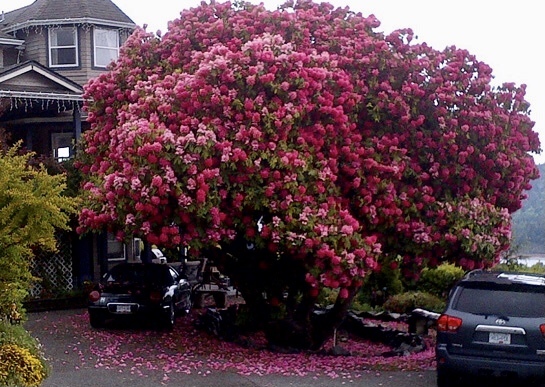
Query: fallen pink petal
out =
(187, 350)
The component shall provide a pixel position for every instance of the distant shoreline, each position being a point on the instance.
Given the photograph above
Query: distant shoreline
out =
(531, 259)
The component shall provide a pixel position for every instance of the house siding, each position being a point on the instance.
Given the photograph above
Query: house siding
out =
(10, 57)
(34, 81)
(37, 47)
(35, 41)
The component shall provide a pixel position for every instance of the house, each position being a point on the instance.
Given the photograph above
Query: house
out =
(48, 51)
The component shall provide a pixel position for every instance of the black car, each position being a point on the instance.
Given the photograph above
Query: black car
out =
(156, 291)
(493, 328)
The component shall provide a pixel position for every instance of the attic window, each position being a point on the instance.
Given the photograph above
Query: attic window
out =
(106, 45)
(63, 47)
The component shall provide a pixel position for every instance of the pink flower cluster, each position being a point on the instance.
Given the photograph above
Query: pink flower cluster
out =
(360, 146)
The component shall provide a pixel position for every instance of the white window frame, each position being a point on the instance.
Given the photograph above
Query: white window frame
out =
(112, 49)
(73, 46)
(59, 142)
(115, 249)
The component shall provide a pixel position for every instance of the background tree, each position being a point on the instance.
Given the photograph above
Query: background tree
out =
(528, 226)
(311, 148)
(32, 207)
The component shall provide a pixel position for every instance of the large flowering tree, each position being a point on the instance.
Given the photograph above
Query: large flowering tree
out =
(310, 147)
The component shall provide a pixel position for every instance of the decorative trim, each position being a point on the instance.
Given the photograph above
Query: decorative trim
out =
(28, 100)
(31, 95)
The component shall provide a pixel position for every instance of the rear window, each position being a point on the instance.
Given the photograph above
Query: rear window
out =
(142, 275)
(500, 300)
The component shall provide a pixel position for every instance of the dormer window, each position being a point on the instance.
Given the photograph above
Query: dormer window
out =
(106, 46)
(63, 47)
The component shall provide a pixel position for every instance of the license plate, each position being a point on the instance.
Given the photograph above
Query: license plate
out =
(123, 309)
(499, 338)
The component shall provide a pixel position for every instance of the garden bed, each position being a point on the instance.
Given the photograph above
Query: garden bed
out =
(42, 305)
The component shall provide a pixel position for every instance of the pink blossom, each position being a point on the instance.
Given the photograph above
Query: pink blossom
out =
(349, 158)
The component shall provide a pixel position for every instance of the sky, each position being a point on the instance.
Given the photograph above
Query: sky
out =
(505, 34)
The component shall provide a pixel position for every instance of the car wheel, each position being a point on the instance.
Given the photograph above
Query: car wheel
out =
(96, 319)
(444, 378)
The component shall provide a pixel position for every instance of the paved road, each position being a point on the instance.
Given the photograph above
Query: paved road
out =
(73, 364)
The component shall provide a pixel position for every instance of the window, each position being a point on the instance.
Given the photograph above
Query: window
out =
(62, 145)
(115, 249)
(496, 300)
(106, 46)
(63, 47)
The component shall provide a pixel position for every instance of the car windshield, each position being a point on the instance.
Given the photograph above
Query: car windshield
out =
(502, 300)
(139, 274)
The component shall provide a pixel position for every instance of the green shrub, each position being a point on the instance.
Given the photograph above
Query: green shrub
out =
(407, 302)
(19, 367)
(379, 285)
(17, 334)
(33, 207)
(21, 360)
(538, 268)
(327, 297)
(440, 280)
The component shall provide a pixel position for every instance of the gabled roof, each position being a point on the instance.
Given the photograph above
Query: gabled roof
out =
(57, 12)
(31, 80)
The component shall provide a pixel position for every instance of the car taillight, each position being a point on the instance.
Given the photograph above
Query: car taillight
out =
(448, 323)
(155, 296)
(542, 329)
(94, 296)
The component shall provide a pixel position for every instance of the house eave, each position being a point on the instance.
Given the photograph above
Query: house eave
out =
(69, 21)
(32, 95)
(11, 42)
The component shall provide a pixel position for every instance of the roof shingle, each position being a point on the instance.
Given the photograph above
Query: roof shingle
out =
(44, 10)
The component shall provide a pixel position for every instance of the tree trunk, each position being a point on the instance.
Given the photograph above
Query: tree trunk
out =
(260, 277)
(323, 326)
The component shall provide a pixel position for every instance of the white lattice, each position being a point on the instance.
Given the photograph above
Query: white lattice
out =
(54, 270)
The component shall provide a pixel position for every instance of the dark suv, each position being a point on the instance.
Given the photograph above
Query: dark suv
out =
(493, 327)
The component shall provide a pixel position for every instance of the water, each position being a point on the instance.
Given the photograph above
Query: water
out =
(531, 260)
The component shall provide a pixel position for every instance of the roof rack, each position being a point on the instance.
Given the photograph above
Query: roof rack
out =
(523, 278)
(473, 273)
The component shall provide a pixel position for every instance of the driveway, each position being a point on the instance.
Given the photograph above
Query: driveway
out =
(140, 356)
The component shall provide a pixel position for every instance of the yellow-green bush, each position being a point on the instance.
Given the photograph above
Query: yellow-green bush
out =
(440, 280)
(17, 336)
(33, 208)
(408, 301)
(19, 367)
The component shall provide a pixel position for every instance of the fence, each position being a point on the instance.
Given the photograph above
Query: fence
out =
(54, 270)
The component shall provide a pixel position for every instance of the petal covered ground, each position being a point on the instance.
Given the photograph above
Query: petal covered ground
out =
(139, 350)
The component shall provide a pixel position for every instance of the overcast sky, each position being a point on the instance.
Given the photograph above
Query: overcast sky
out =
(505, 34)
